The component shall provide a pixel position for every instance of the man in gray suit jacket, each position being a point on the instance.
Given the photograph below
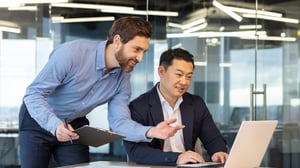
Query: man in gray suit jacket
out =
(169, 99)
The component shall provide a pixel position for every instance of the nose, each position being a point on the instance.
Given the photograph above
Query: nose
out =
(140, 56)
(184, 80)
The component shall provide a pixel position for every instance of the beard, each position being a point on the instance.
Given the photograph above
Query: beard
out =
(125, 64)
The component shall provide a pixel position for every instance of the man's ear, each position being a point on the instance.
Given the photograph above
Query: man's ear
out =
(117, 41)
(160, 71)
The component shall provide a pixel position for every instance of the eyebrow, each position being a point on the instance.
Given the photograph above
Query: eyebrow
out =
(140, 48)
(183, 71)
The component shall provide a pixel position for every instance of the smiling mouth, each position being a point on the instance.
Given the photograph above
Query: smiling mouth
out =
(180, 89)
(132, 63)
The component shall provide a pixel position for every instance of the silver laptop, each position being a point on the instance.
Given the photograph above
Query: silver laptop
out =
(249, 146)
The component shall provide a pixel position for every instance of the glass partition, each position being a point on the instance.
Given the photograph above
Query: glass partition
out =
(246, 57)
(246, 53)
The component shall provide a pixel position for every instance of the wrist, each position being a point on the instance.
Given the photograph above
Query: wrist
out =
(149, 133)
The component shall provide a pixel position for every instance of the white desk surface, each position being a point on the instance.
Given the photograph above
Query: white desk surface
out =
(113, 164)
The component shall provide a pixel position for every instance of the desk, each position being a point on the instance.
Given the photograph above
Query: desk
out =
(112, 163)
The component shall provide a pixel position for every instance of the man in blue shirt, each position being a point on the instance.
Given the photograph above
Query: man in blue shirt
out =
(79, 76)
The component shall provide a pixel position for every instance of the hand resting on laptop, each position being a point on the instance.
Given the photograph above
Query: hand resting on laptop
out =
(194, 157)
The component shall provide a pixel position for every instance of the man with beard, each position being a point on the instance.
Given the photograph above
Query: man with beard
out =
(79, 76)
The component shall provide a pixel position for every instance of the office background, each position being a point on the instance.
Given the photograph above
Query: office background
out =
(246, 53)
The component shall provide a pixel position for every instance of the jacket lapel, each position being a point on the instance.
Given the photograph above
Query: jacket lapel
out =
(156, 109)
(187, 115)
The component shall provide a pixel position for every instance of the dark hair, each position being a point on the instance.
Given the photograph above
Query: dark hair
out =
(167, 57)
(128, 28)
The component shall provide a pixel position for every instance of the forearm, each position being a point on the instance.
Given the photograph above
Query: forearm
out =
(40, 111)
(144, 154)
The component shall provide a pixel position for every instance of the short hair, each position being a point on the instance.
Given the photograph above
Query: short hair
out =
(128, 28)
(167, 57)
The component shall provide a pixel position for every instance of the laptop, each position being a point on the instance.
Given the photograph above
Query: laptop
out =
(249, 146)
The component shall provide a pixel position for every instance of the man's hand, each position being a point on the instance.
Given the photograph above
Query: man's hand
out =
(64, 134)
(219, 157)
(189, 157)
(164, 130)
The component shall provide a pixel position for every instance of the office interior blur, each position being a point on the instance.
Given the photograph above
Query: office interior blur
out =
(246, 56)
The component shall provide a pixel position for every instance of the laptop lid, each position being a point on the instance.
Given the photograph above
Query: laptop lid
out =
(249, 146)
(251, 143)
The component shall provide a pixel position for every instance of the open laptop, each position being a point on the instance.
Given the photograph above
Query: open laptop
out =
(249, 146)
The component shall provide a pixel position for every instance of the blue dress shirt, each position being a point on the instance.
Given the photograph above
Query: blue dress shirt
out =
(73, 83)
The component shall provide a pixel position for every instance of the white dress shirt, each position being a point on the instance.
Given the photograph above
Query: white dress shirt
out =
(175, 143)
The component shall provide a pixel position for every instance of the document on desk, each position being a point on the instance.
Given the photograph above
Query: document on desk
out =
(96, 136)
(107, 166)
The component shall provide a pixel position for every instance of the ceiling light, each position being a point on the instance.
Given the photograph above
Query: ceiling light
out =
(196, 28)
(247, 35)
(279, 19)
(270, 38)
(179, 45)
(227, 11)
(187, 25)
(23, 8)
(92, 6)
(115, 9)
(10, 29)
(252, 11)
(9, 3)
(142, 12)
(176, 25)
(39, 1)
(222, 28)
(214, 41)
(217, 34)
(200, 63)
(60, 19)
(250, 27)
(282, 34)
(224, 64)
(154, 13)
(9, 26)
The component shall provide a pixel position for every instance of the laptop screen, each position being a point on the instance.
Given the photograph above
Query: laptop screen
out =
(249, 146)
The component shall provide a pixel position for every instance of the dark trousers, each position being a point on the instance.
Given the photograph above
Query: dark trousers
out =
(37, 145)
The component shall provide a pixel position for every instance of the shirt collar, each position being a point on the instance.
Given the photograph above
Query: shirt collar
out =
(163, 100)
(100, 56)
